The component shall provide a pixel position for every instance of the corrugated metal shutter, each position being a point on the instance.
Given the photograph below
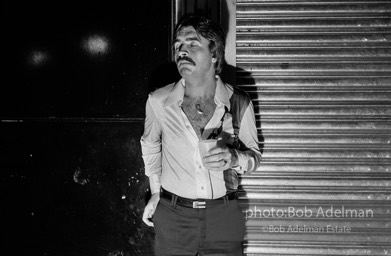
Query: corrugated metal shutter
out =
(320, 76)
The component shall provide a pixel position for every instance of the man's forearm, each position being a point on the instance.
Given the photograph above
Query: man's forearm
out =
(154, 183)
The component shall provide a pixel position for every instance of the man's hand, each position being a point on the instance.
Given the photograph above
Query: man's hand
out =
(220, 159)
(150, 209)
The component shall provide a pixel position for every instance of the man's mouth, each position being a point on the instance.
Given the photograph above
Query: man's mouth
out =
(184, 61)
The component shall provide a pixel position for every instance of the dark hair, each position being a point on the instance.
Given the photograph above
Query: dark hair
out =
(211, 31)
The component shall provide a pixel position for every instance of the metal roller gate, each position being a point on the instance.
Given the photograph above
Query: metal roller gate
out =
(319, 73)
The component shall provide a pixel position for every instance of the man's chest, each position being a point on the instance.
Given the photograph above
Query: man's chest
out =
(199, 113)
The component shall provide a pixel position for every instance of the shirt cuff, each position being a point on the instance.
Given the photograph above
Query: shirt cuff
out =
(242, 162)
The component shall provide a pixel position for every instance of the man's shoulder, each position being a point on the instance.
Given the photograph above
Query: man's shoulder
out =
(160, 95)
(237, 92)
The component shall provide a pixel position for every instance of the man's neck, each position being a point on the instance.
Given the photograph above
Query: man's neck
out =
(196, 88)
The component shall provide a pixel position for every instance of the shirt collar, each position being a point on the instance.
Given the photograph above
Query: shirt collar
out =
(222, 95)
(177, 92)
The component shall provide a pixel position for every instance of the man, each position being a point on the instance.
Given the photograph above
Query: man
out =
(194, 207)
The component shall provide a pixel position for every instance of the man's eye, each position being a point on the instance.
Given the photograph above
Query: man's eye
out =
(193, 45)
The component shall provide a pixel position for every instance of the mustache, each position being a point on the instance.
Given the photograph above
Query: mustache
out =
(185, 58)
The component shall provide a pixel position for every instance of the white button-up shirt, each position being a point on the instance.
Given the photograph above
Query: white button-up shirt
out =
(170, 145)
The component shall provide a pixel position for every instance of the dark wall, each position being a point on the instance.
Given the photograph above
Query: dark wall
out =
(74, 188)
(84, 59)
(73, 92)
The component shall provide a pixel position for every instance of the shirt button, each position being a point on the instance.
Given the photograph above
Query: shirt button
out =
(200, 166)
(202, 187)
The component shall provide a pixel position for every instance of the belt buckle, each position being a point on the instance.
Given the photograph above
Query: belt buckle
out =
(199, 204)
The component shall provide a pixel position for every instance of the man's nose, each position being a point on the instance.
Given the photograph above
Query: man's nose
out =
(182, 51)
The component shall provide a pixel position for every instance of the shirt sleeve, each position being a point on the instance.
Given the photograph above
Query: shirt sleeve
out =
(250, 159)
(151, 147)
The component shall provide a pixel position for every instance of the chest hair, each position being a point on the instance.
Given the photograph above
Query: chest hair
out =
(197, 120)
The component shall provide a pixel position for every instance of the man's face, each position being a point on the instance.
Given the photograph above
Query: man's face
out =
(192, 53)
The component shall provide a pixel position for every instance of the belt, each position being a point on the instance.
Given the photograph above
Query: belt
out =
(197, 203)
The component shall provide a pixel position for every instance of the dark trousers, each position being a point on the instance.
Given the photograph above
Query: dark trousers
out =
(215, 230)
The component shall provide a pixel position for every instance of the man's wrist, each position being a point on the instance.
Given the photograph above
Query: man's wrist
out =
(235, 162)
